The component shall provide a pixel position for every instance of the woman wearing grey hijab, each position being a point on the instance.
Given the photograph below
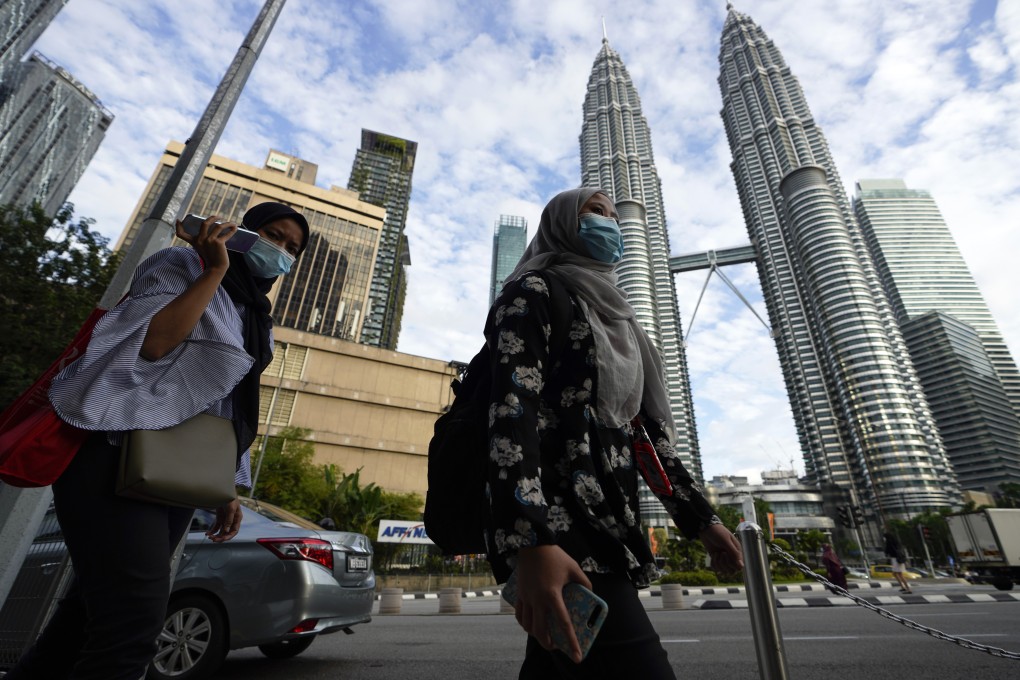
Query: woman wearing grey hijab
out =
(567, 419)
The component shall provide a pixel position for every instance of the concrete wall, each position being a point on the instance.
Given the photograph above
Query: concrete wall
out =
(366, 407)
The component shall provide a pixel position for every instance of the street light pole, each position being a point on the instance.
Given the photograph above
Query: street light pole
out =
(158, 230)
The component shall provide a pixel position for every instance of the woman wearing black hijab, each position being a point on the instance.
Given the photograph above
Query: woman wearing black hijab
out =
(192, 336)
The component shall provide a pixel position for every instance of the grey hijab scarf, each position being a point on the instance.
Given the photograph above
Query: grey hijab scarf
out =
(629, 366)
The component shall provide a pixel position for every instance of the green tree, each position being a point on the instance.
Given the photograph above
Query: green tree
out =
(729, 515)
(810, 541)
(1008, 496)
(53, 273)
(287, 477)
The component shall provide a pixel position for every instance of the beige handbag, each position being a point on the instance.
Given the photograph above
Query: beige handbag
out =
(190, 465)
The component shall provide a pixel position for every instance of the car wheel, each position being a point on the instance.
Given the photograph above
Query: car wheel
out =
(193, 642)
(1003, 582)
(285, 649)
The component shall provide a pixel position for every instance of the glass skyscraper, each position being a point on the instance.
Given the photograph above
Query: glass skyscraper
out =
(980, 429)
(616, 155)
(509, 239)
(923, 271)
(50, 127)
(922, 268)
(21, 24)
(861, 416)
(382, 176)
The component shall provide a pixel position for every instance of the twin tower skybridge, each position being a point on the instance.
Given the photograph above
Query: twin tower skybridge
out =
(712, 260)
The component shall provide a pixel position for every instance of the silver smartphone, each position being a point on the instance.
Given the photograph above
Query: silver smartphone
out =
(241, 241)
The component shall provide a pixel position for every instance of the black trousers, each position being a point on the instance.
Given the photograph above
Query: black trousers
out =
(627, 646)
(105, 628)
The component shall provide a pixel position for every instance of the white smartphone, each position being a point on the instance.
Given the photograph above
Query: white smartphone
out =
(241, 241)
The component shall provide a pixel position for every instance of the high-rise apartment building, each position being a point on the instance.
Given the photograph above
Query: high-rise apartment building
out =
(861, 416)
(616, 155)
(50, 127)
(509, 239)
(21, 24)
(923, 271)
(327, 291)
(382, 176)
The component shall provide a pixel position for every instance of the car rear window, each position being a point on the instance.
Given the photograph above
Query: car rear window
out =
(275, 514)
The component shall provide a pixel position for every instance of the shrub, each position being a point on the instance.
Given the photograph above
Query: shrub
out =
(701, 577)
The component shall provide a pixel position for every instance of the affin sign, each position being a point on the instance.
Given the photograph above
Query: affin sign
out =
(402, 531)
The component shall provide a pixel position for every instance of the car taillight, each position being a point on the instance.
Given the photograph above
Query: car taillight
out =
(311, 549)
(305, 626)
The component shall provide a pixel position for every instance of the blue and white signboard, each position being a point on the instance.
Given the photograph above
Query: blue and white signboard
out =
(402, 531)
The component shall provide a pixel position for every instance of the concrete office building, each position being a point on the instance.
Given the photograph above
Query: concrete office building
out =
(327, 292)
(50, 127)
(616, 155)
(796, 505)
(21, 24)
(509, 239)
(381, 175)
(861, 416)
(365, 407)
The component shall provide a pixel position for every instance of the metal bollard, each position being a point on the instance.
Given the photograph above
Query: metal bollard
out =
(761, 601)
(449, 600)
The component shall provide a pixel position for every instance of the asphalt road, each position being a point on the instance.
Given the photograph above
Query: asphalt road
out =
(847, 642)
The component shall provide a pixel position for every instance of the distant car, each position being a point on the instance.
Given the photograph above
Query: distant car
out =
(885, 571)
(856, 573)
(923, 573)
(280, 583)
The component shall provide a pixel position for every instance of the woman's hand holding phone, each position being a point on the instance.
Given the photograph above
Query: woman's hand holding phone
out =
(541, 575)
(210, 239)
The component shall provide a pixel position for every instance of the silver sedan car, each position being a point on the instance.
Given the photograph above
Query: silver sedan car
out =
(280, 583)
(277, 585)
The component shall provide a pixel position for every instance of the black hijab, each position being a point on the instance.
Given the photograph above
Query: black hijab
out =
(251, 293)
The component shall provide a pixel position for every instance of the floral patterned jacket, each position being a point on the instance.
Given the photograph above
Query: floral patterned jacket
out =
(556, 475)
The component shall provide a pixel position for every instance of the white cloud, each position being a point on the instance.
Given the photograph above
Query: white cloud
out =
(492, 92)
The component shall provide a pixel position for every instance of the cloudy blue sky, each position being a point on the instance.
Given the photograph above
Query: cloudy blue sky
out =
(924, 90)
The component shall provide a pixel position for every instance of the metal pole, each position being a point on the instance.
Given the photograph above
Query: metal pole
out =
(864, 552)
(761, 602)
(927, 555)
(158, 229)
(269, 422)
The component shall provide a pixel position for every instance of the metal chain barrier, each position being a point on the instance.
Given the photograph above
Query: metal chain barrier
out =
(969, 644)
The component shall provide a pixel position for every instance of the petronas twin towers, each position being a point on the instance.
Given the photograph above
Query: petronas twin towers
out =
(862, 419)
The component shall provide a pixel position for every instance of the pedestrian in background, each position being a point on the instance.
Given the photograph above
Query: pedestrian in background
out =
(833, 567)
(898, 559)
(563, 423)
(193, 336)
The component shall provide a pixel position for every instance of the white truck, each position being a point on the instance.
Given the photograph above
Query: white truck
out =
(988, 543)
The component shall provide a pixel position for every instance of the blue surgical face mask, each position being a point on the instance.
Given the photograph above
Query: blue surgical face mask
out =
(266, 260)
(602, 237)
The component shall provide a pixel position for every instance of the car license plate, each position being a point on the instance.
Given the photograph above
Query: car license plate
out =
(357, 563)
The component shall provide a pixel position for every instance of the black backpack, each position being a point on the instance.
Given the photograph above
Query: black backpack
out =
(456, 509)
